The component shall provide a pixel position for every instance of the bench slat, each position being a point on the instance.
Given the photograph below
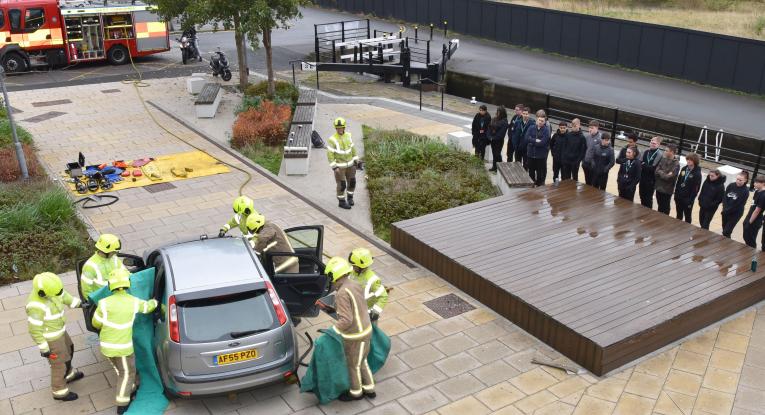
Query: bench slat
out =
(514, 175)
(208, 94)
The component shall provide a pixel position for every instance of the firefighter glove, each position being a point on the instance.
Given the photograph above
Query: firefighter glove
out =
(373, 315)
(221, 233)
(45, 354)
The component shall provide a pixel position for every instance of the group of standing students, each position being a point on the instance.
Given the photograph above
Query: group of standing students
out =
(654, 171)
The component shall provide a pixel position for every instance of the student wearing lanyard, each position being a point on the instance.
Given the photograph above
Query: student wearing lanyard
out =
(753, 219)
(687, 187)
(649, 162)
(629, 175)
(519, 136)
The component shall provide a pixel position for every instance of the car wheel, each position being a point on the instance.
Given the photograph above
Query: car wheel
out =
(118, 55)
(13, 62)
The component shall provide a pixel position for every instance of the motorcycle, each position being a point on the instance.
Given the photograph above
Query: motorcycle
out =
(219, 65)
(188, 45)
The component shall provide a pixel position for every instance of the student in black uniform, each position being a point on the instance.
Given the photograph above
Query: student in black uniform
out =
(711, 195)
(649, 162)
(734, 202)
(629, 174)
(631, 143)
(556, 149)
(753, 219)
(687, 187)
(602, 159)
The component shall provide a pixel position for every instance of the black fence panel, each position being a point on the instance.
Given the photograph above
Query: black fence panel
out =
(489, 20)
(723, 63)
(608, 44)
(553, 34)
(673, 54)
(629, 45)
(749, 67)
(718, 60)
(698, 52)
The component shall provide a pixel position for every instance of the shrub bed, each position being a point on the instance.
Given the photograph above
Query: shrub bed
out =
(409, 175)
(39, 229)
(263, 122)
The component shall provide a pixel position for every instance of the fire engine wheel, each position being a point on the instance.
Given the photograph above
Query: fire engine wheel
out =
(118, 55)
(13, 62)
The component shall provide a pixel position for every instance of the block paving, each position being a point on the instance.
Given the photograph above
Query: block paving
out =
(473, 363)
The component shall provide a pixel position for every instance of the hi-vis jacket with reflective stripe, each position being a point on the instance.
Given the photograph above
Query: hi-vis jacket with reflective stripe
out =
(95, 272)
(114, 316)
(353, 322)
(46, 317)
(237, 221)
(340, 151)
(374, 291)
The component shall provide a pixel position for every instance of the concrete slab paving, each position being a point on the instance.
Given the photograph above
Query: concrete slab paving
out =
(719, 373)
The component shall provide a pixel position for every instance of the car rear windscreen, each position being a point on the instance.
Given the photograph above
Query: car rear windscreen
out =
(217, 318)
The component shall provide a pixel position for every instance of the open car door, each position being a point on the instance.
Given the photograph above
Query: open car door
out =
(299, 286)
(133, 263)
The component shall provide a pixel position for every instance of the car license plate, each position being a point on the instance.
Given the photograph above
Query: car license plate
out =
(236, 357)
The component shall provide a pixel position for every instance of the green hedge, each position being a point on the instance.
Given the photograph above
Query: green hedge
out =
(39, 230)
(410, 175)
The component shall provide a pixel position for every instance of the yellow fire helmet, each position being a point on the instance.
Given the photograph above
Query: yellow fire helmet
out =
(339, 122)
(119, 278)
(243, 205)
(361, 257)
(255, 222)
(108, 243)
(48, 284)
(337, 268)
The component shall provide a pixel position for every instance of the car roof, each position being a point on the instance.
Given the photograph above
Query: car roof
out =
(212, 263)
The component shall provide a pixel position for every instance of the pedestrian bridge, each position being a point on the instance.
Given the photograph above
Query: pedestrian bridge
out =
(602, 280)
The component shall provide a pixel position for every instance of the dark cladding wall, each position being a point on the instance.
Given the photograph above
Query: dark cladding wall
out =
(707, 58)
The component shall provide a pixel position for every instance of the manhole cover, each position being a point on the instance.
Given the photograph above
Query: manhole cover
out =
(159, 187)
(44, 117)
(449, 305)
(50, 103)
(110, 91)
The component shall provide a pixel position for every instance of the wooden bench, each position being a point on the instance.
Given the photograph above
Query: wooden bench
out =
(513, 176)
(207, 101)
(307, 97)
(303, 114)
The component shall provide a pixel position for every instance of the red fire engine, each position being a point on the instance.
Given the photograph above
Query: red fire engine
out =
(49, 33)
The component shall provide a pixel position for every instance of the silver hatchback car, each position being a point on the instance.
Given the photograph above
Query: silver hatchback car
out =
(226, 320)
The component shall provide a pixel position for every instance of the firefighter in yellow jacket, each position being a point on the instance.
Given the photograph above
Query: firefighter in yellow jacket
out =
(342, 159)
(266, 236)
(243, 207)
(115, 316)
(354, 327)
(47, 326)
(95, 272)
(374, 292)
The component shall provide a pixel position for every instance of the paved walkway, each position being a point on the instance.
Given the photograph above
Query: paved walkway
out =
(475, 363)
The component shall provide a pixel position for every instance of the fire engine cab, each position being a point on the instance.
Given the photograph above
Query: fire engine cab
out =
(52, 33)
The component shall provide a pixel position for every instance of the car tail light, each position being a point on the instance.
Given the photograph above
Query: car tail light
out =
(277, 304)
(184, 393)
(172, 321)
(287, 374)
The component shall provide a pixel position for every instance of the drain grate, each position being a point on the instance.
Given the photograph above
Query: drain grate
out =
(110, 91)
(159, 187)
(44, 117)
(50, 103)
(449, 305)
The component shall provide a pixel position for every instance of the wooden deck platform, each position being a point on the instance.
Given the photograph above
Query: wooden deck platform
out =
(602, 280)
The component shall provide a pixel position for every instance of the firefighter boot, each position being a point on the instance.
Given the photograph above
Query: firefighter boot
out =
(343, 204)
(350, 199)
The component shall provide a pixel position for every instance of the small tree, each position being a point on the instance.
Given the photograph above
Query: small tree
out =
(231, 14)
(265, 16)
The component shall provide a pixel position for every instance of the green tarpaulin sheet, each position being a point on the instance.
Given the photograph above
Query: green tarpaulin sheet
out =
(150, 399)
(327, 374)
